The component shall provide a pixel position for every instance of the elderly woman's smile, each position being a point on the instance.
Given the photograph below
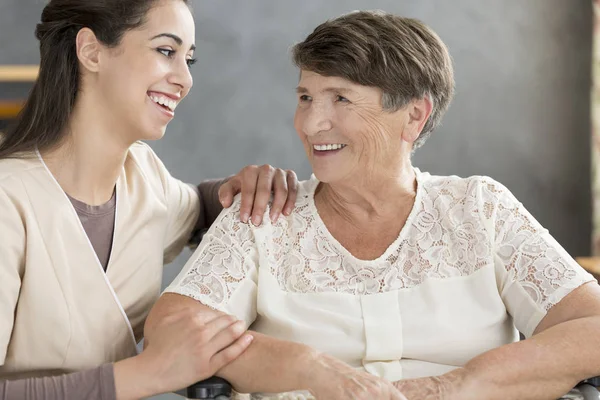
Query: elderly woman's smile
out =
(327, 148)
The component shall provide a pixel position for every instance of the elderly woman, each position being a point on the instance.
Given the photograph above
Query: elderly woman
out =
(386, 279)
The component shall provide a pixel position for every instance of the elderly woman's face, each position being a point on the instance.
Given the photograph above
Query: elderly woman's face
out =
(344, 129)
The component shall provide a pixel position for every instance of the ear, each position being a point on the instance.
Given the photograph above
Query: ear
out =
(88, 49)
(418, 114)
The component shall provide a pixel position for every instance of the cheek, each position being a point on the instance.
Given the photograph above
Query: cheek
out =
(298, 122)
(119, 91)
(153, 72)
(147, 69)
(129, 84)
(371, 136)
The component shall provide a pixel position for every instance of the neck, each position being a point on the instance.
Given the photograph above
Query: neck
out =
(89, 161)
(371, 197)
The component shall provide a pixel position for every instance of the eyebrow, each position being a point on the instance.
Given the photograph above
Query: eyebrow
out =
(301, 89)
(176, 38)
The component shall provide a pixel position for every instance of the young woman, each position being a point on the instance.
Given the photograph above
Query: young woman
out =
(89, 214)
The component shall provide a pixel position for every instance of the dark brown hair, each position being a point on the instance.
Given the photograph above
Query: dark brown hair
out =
(41, 124)
(401, 56)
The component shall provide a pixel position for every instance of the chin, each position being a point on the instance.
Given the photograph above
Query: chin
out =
(326, 176)
(153, 134)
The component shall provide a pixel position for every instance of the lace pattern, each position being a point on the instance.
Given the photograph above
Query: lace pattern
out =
(527, 251)
(225, 257)
(457, 226)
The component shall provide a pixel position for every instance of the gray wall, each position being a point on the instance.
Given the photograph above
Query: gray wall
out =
(521, 112)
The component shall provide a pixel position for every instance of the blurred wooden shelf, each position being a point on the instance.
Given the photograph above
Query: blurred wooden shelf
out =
(10, 109)
(590, 264)
(18, 73)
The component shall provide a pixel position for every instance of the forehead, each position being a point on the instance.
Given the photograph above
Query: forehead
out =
(316, 83)
(310, 78)
(169, 16)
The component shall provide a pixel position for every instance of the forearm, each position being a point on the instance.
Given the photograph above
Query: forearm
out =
(268, 365)
(545, 366)
(94, 384)
(211, 206)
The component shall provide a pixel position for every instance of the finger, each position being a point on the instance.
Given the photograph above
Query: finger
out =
(230, 353)
(263, 193)
(281, 194)
(228, 190)
(292, 184)
(227, 336)
(373, 386)
(204, 319)
(248, 182)
(218, 325)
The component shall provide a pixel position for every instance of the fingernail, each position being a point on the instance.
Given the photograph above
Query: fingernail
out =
(245, 217)
(275, 217)
(287, 211)
(256, 221)
(249, 338)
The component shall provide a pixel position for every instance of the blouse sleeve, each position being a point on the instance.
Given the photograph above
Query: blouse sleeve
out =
(12, 266)
(534, 271)
(223, 271)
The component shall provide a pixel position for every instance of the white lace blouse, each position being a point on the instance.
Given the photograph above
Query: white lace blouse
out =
(469, 268)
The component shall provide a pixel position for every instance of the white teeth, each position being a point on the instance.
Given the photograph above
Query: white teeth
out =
(328, 147)
(162, 100)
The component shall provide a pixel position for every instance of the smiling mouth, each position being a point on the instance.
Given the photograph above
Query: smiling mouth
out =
(163, 101)
(327, 148)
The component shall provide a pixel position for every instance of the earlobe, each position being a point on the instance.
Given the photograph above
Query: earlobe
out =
(411, 134)
(88, 49)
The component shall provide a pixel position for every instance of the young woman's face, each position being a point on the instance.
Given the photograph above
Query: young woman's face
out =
(145, 77)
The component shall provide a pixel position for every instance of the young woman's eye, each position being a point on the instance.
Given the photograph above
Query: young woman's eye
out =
(166, 52)
(304, 98)
(190, 61)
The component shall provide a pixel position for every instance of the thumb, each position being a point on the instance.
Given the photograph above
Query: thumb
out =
(227, 192)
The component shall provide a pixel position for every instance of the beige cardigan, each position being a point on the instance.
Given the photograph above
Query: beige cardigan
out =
(59, 311)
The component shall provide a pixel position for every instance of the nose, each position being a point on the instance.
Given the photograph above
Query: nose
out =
(317, 119)
(181, 76)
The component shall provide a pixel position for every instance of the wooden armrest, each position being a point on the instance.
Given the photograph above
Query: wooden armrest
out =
(18, 73)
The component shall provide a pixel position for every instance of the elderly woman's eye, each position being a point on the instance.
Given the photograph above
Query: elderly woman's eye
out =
(342, 99)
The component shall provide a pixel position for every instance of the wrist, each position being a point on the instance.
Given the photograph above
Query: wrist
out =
(136, 379)
(458, 384)
(324, 371)
(309, 368)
